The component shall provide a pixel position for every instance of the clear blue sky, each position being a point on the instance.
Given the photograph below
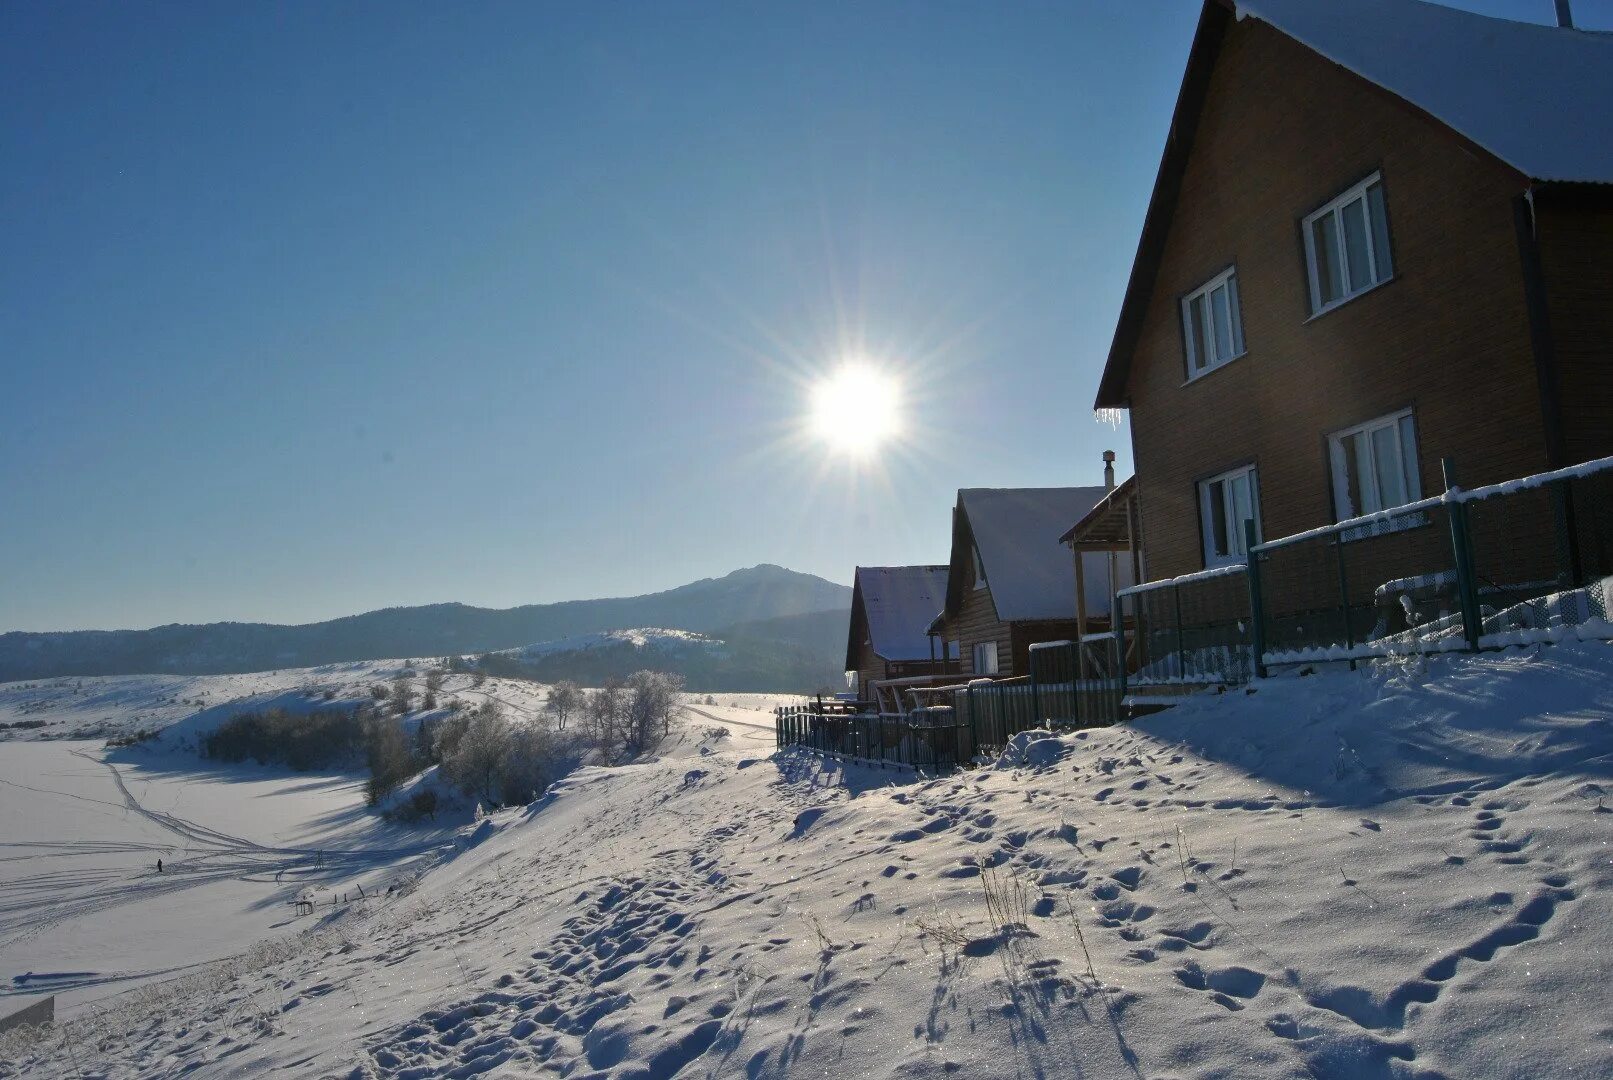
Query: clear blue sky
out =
(307, 309)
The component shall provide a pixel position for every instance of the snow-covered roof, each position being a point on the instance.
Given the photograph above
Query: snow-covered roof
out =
(899, 602)
(1031, 575)
(1538, 97)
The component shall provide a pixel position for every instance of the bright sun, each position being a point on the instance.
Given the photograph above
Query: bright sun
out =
(856, 409)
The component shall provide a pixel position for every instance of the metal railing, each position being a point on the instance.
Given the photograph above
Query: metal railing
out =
(1522, 561)
(929, 739)
(940, 728)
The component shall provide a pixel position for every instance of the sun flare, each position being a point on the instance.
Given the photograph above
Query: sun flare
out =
(856, 409)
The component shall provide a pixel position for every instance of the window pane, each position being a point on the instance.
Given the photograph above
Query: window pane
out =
(1187, 339)
(1346, 500)
(1380, 233)
(1355, 465)
(1353, 215)
(1325, 258)
(1216, 526)
(1408, 456)
(1237, 320)
(1200, 332)
(1223, 323)
(1242, 511)
(1391, 475)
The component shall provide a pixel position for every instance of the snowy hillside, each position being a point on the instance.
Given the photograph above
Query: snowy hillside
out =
(106, 706)
(737, 661)
(1398, 873)
(646, 639)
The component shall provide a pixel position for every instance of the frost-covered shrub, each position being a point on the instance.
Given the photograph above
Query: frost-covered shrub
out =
(302, 740)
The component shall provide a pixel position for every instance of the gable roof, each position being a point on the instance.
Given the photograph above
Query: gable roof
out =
(1539, 98)
(1031, 575)
(1536, 98)
(898, 603)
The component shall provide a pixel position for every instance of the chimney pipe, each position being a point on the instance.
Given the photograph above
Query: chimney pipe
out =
(1108, 470)
(1565, 16)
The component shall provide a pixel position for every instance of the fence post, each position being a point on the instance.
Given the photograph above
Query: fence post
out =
(1181, 641)
(1118, 656)
(1467, 590)
(1257, 607)
(1036, 694)
(1344, 597)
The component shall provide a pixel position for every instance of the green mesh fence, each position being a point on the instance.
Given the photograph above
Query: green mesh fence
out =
(1542, 555)
(1191, 631)
(1078, 685)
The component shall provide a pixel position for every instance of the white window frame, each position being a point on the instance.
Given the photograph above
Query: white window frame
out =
(1376, 232)
(980, 567)
(1227, 278)
(986, 649)
(1238, 549)
(1404, 425)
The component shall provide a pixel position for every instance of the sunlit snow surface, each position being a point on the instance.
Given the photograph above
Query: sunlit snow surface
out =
(1399, 872)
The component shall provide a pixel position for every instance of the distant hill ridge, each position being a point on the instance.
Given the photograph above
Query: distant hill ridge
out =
(752, 598)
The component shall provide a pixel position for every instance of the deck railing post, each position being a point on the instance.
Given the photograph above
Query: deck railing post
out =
(1181, 640)
(1467, 591)
(1257, 607)
(1036, 696)
(1117, 656)
(1344, 597)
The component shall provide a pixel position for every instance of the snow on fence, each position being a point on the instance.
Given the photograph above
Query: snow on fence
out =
(1528, 560)
(938, 729)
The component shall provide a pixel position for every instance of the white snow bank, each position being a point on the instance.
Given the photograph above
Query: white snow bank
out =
(1398, 873)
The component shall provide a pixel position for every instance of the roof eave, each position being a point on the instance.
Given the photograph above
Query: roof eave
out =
(1213, 21)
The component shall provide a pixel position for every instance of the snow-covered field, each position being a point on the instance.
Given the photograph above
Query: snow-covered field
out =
(84, 912)
(1399, 873)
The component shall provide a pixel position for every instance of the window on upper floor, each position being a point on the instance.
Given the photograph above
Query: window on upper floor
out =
(1225, 503)
(986, 658)
(1347, 245)
(1375, 468)
(1211, 324)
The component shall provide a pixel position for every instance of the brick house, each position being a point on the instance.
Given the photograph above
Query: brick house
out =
(1381, 235)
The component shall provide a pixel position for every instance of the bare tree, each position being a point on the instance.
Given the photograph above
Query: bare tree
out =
(473, 763)
(402, 693)
(387, 752)
(565, 698)
(606, 719)
(652, 701)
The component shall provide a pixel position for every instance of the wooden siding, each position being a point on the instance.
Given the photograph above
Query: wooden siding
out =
(869, 665)
(976, 622)
(1284, 131)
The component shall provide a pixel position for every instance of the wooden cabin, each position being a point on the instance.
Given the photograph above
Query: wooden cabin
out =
(891, 611)
(1010, 584)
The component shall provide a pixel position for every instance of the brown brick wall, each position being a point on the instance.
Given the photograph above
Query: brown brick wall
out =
(1282, 132)
(1576, 255)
